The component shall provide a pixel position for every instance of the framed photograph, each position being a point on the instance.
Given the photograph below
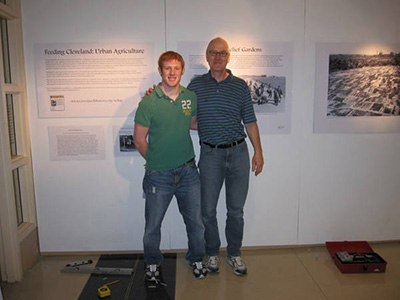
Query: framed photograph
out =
(357, 88)
(123, 137)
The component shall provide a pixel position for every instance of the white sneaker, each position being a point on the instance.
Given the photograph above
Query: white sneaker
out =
(212, 264)
(152, 273)
(199, 270)
(238, 265)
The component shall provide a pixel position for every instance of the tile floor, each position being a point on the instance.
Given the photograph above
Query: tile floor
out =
(274, 274)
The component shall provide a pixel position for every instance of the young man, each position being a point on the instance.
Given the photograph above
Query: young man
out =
(164, 117)
(224, 110)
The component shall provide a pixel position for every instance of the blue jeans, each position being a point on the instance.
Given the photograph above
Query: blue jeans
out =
(160, 187)
(217, 165)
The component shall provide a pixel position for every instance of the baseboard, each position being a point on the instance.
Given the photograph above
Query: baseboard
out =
(244, 249)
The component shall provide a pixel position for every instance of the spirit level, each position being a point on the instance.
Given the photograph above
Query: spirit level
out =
(97, 270)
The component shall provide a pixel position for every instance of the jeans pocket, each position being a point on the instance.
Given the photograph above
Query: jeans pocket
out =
(242, 147)
(150, 173)
(204, 150)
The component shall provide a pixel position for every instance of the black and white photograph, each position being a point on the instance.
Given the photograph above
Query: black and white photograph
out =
(267, 93)
(364, 85)
(357, 88)
(126, 143)
(123, 141)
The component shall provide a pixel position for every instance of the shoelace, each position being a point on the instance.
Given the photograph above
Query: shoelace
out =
(199, 265)
(238, 261)
(153, 269)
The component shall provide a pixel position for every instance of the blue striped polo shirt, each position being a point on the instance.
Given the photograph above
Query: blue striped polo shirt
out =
(222, 108)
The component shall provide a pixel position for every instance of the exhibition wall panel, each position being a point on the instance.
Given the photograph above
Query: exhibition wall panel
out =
(273, 200)
(93, 204)
(314, 187)
(348, 180)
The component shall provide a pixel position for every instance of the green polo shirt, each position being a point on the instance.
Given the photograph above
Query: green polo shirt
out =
(170, 144)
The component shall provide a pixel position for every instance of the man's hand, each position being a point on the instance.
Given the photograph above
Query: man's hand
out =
(149, 91)
(257, 163)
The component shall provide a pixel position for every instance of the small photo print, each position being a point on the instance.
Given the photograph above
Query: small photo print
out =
(126, 143)
(267, 93)
(57, 103)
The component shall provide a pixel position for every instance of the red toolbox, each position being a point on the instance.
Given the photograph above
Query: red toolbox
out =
(356, 257)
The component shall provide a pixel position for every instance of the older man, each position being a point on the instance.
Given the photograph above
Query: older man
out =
(224, 110)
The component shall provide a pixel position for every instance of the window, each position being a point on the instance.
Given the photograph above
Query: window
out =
(17, 209)
(11, 125)
(11, 118)
(17, 196)
(5, 50)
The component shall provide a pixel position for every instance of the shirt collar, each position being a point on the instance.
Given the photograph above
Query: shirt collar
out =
(229, 78)
(160, 92)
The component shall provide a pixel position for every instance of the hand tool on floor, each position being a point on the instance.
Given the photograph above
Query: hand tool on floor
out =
(104, 290)
(98, 270)
(81, 263)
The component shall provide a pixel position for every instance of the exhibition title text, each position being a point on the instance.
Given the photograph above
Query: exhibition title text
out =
(246, 49)
(93, 51)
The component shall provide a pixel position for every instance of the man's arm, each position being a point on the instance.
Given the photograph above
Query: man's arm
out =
(254, 135)
(193, 123)
(139, 138)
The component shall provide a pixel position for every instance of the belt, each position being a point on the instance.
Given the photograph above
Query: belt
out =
(189, 161)
(224, 146)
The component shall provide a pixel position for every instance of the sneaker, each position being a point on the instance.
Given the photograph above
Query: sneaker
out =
(238, 265)
(199, 270)
(212, 264)
(152, 273)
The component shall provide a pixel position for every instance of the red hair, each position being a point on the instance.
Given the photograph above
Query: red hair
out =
(170, 55)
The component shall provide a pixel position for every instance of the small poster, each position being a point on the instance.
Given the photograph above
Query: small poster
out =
(77, 143)
(267, 70)
(92, 80)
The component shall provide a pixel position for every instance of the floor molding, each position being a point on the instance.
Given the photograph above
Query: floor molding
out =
(244, 249)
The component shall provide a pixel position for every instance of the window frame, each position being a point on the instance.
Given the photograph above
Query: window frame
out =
(11, 235)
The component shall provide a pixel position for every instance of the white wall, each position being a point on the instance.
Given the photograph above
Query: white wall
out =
(349, 181)
(315, 187)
